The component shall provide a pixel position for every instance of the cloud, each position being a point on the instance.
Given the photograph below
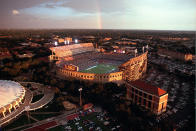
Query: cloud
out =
(89, 6)
(50, 6)
(15, 12)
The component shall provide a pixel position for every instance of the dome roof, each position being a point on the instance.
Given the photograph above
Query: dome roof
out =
(9, 92)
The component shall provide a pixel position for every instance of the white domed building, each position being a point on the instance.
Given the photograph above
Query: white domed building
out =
(11, 96)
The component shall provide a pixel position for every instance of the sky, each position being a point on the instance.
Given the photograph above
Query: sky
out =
(98, 14)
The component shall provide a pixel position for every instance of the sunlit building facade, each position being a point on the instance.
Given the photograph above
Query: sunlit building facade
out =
(148, 96)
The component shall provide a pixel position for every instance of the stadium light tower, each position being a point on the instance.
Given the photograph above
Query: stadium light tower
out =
(80, 90)
(55, 43)
(76, 41)
(147, 47)
(143, 49)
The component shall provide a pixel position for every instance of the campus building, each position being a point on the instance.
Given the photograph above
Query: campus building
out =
(148, 96)
(175, 55)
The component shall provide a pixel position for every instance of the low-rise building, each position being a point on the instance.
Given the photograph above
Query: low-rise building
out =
(148, 96)
(175, 55)
(5, 53)
(68, 39)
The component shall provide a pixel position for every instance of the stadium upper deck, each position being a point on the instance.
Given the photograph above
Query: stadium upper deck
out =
(70, 50)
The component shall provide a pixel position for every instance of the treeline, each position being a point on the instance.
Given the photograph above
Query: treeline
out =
(11, 68)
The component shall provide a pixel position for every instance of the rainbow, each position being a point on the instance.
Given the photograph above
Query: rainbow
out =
(99, 18)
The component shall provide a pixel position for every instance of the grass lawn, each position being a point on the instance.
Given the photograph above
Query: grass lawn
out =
(100, 69)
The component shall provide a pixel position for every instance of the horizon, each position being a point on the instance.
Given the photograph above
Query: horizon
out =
(95, 29)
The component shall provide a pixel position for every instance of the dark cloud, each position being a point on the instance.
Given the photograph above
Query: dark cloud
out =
(20, 4)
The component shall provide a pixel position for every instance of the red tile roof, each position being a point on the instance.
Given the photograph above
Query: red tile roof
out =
(148, 88)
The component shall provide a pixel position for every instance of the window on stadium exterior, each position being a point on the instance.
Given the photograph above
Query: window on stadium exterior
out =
(81, 75)
(136, 98)
(149, 104)
(145, 95)
(140, 93)
(132, 95)
(140, 100)
(136, 91)
(144, 102)
(150, 97)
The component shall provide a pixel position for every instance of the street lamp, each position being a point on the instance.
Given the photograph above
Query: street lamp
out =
(135, 52)
(80, 90)
(143, 49)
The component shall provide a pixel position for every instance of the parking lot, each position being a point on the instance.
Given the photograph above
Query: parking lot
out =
(180, 99)
(88, 120)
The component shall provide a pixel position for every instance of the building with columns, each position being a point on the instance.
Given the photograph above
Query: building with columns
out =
(148, 96)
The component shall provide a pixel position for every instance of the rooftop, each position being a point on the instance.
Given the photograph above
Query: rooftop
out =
(148, 88)
(9, 92)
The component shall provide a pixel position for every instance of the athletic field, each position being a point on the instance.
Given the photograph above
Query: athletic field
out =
(101, 69)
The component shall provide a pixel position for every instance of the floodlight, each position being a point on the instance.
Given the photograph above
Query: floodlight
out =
(55, 43)
(76, 41)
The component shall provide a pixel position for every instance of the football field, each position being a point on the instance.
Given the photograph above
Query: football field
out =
(101, 69)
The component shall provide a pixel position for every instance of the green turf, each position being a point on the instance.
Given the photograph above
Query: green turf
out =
(100, 69)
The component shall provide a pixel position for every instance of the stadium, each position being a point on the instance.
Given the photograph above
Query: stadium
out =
(83, 62)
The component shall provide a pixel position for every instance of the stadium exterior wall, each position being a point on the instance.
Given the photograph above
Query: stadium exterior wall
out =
(109, 77)
(134, 68)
